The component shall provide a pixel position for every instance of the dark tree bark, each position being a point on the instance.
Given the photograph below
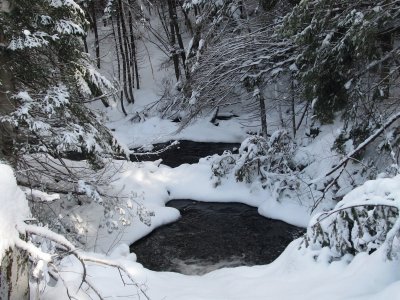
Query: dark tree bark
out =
(263, 114)
(93, 21)
(293, 107)
(14, 275)
(174, 54)
(85, 44)
(163, 20)
(187, 20)
(125, 40)
(7, 132)
(116, 49)
(118, 66)
(124, 92)
(134, 64)
(179, 36)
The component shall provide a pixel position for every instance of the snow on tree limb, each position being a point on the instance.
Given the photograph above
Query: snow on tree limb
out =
(366, 142)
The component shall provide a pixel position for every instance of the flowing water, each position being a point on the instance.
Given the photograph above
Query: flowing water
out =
(210, 236)
(185, 152)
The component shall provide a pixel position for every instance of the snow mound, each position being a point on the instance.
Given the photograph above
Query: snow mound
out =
(14, 208)
(366, 219)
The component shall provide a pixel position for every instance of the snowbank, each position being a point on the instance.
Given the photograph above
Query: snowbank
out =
(299, 273)
(14, 208)
(156, 130)
(365, 220)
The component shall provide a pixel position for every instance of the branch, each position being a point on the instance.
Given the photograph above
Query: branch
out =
(328, 214)
(115, 265)
(366, 142)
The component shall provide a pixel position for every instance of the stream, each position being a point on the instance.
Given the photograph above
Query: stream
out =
(185, 152)
(209, 235)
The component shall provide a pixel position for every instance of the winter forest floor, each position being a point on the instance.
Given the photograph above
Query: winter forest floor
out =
(296, 274)
(271, 107)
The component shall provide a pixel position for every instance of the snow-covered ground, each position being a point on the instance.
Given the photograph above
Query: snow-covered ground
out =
(14, 209)
(296, 274)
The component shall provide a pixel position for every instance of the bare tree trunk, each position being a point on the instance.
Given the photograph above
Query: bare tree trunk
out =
(96, 33)
(134, 64)
(163, 20)
(303, 115)
(293, 108)
(7, 132)
(175, 56)
(129, 87)
(116, 49)
(85, 44)
(187, 20)
(386, 42)
(118, 65)
(179, 37)
(263, 113)
(121, 48)
(14, 275)
(136, 67)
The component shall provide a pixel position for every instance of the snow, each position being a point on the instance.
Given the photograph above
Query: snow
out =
(41, 196)
(297, 274)
(382, 191)
(14, 209)
(294, 275)
(156, 130)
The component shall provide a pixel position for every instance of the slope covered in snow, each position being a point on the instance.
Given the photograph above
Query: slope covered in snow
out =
(299, 273)
(14, 209)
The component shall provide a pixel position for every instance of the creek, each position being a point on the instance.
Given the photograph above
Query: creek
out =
(209, 236)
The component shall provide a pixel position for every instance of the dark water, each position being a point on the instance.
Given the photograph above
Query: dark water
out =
(210, 236)
(185, 152)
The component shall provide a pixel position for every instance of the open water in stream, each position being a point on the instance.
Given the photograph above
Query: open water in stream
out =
(210, 236)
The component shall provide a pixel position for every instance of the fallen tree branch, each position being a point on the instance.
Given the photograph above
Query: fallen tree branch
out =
(360, 147)
(118, 267)
(325, 215)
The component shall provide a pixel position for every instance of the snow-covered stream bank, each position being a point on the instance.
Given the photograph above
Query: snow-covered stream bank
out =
(210, 236)
(295, 274)
(176, 153)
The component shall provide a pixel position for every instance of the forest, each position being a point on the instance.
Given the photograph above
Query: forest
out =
(114, 111)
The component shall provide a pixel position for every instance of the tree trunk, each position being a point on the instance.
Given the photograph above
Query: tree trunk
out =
(125, 39)
(118, 65)
(84, 43)
(96, 33)
(263, 114)
(121, 48)
(179, 37)
(293, 108)
(7, 132)
(134, 64)
(175, 55)
(163, 20)
(386, 42)
(116, 49)
(187, 20)
(14, 275)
